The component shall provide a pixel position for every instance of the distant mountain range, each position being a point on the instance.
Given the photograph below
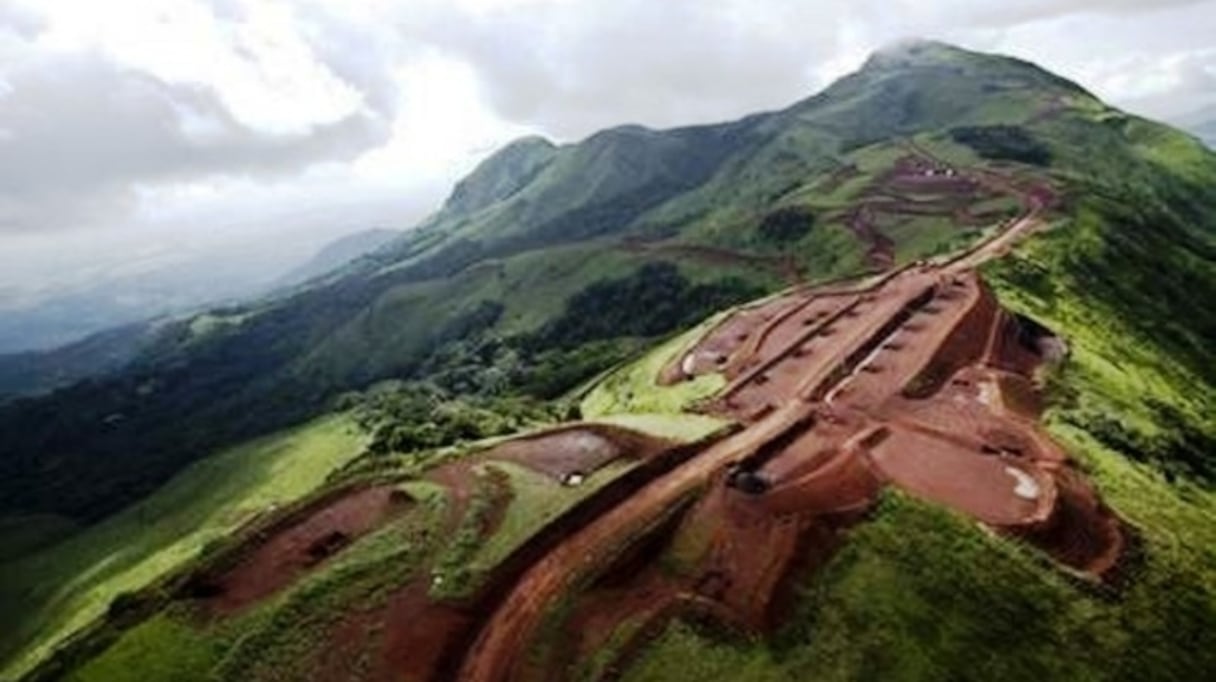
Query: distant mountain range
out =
(34, 356)
(184, 282)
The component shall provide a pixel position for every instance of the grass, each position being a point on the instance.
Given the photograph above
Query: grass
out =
(923, 236)
(50, 595)
(920, 593)
(209, 323)
(24, 535)
(685, 428)
(598, 665)
(454, 575)
(164, 643)
(277, 638)
(537, 501)
(831, 251)
(633, 389)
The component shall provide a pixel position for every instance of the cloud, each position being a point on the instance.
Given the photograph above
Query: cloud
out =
(20, 21)
(571, 68)
(82, 131)
(1006, 14)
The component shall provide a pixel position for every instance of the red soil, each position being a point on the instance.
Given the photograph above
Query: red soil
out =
(722, 342)
(980, 486)
(881, 250)
(301, 544)
(917, 381)
(582, 449)
(417, 632)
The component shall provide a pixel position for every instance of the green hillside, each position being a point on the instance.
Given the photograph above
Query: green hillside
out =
(52, 593)
(554, 284)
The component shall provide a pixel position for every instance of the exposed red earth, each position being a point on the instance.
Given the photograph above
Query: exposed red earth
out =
(300, 543)
(916, 380)
(581, 449)
(900, 383)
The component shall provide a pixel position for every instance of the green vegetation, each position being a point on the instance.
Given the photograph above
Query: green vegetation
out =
(919, 593)
(683, 428)
(786, 224)
(634, 388)
(654, 300)
(454, 574)
(408, 417)
(537, 499)
(23, 535)
(276, 638)
(212, 322)
(47, 596)
(166, 644)
(923, 237)
(1003, 143)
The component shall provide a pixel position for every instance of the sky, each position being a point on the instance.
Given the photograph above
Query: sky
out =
(140, 133)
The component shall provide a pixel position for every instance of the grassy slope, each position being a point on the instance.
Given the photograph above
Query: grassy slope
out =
(629, 395)
(536, 500)
(399, 327)
(276, 639)
(55, 592)
(922, 594)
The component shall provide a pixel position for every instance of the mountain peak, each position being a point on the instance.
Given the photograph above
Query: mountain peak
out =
(935, 58)
(914, 50)
(502, 174)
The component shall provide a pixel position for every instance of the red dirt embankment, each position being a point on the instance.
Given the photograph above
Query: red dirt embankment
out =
(300, 543)
(576, 449)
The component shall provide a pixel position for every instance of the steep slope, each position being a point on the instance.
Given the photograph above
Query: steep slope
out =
(927, 151)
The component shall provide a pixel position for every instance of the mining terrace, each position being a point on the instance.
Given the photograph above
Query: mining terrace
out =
(916, 380)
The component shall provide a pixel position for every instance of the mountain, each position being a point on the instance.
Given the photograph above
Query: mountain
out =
(1046, 259)
(338, 253)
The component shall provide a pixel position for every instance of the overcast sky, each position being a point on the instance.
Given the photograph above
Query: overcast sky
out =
(133, 129)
